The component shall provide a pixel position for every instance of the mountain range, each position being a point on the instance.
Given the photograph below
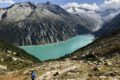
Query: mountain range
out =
(33, 24)
(30, 24)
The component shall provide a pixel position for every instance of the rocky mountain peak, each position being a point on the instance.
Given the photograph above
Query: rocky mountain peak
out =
(23, 5)
(52, 7)
(26, 9)
(31, 24)
(17, 12)
(41, 23)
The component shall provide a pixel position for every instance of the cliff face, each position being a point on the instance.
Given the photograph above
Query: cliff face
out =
(29, 24)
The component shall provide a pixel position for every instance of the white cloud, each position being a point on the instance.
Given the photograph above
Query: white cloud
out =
(111, 16)
(111, 1)
(93, 18)
(86, 11)
(7, 1)
(106, 5)
(70, 5)
(110, 4)
(98, 13)
(113, 5)
(93, 6)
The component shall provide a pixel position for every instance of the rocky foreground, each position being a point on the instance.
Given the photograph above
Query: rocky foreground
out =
(105, 69)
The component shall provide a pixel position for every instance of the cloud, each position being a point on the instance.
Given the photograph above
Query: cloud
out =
(93, 6)
(113, 5)
(98, 13)
(111, 1)
(111, 16)
(93, 19)
(69, 5)
(110, 4)
(106, 5)
(86, 11)
(7, 1)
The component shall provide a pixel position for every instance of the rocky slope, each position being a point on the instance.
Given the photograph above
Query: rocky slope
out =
(107, 69)
(97, 61)
(30, 24)
(13, 58)
(106, 46)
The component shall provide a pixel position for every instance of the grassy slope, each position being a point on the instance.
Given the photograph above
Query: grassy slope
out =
(15, 58)
(108, 44)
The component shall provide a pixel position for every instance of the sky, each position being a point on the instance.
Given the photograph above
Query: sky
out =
(6, 3)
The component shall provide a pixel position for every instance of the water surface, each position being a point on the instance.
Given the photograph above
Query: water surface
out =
(56, 50)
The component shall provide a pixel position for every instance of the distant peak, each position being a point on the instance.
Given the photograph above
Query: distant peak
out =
(48, 2)
(26, 4)
(23, 4)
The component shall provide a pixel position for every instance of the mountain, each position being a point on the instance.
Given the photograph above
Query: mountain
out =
(106, 46)
(92, 19)
(109, 41)
(109, 27)
(13, 58)
(95, 17)
(108, 14)
(105, 14)
(30, 24)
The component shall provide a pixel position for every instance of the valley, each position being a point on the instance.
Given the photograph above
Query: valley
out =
(59, 43)
(59, 49)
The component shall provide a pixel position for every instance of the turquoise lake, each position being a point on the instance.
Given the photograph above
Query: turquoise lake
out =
(56, 50)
